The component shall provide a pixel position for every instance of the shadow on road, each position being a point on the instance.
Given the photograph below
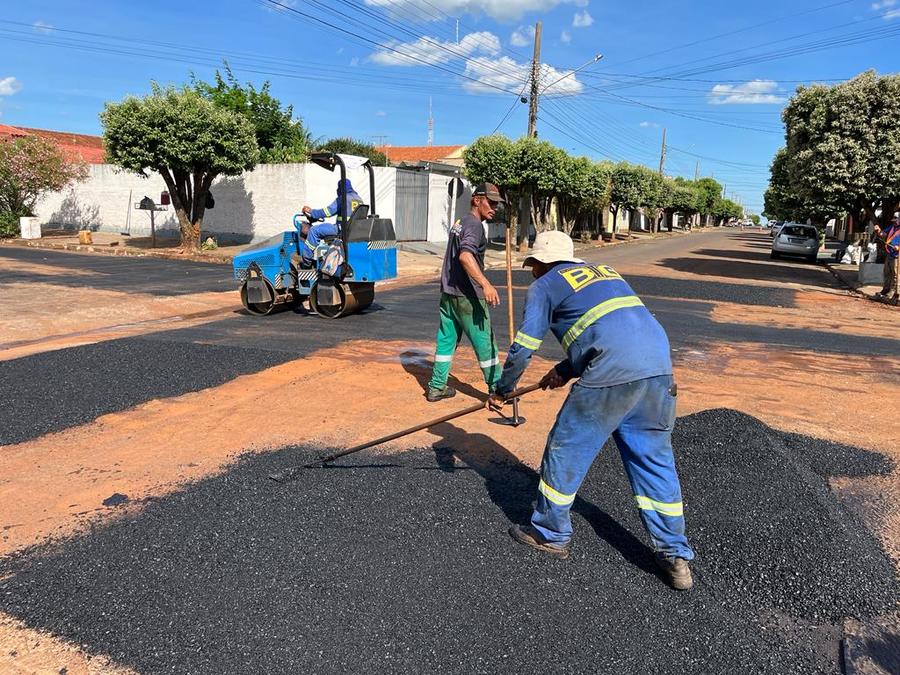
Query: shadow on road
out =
(780, 273)
(512, 487)
(736, 254)
(414, 364)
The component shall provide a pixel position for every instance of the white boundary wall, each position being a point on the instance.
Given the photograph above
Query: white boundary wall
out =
(252, 206)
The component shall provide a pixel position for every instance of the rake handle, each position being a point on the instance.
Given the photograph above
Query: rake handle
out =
(288, 474)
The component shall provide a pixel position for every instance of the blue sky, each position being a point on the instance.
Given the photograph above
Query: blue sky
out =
(714, 74)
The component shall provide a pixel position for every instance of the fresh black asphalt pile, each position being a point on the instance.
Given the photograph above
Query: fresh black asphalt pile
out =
(402, 564)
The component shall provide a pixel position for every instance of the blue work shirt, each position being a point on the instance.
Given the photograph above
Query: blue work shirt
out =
(351, 201)
(609, 335)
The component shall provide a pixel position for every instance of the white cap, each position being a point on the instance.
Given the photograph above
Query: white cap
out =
(552, 246)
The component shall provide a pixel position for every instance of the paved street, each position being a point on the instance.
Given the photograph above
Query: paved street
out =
(143, 384)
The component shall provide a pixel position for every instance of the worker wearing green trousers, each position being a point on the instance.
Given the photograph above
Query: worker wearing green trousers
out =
(471, 317)
(466, 296)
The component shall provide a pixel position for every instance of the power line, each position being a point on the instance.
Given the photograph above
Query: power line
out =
(328, 24)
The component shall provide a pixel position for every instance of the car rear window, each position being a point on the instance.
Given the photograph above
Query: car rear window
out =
(799, 231)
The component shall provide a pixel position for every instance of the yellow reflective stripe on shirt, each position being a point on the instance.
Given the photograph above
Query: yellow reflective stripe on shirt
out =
(597, 312)
(527, 341)
(555, 496)
(326, 211)
(308, 245)
(665, 508)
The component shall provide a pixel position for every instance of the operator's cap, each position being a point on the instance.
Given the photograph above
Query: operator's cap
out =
(552, 246)
(488, 190)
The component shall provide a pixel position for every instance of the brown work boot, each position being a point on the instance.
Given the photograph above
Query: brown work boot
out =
(676, 571)
(525, 534)
(435, 395)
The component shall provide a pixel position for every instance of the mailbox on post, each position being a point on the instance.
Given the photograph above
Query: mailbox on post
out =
(147, 204)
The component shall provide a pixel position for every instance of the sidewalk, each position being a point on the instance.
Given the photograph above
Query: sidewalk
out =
(849, 276)
(414, 259)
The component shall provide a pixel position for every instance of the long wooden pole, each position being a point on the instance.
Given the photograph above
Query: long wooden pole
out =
(509, 306)
(294, 472)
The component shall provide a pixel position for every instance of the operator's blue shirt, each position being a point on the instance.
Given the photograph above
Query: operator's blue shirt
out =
(336, 208)
(610, 337)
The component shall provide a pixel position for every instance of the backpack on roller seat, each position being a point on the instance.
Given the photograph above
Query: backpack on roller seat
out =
(333, 260)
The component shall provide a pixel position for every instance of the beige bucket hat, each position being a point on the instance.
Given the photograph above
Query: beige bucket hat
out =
(551, 247)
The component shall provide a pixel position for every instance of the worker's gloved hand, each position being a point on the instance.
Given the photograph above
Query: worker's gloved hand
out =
(553, 380)
(495, 402)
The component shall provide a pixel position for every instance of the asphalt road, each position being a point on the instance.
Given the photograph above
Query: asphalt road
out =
(113, 375)
(404, 564)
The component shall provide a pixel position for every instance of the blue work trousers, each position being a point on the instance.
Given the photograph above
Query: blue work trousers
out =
(640, 416)
(314, 236)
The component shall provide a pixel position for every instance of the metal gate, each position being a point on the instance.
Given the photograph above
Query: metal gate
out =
(411, 206)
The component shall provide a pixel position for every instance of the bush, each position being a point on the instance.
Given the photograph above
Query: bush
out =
(9, 225)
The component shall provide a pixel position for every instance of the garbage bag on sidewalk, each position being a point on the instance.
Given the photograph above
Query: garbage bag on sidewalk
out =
(851, 255)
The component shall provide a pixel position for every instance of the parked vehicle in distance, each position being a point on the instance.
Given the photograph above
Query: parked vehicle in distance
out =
(796, 240)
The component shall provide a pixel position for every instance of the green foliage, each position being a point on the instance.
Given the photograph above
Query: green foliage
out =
(754, 218)
(186, 139)
(492, 159)
(29, 168)
(726, 209)
(350, 146)
(685, 198)
(579, 186)
(842, 145)
(708, 193)
(280, 137)
(9, 224)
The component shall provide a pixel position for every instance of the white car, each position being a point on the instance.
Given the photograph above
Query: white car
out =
(796, 239)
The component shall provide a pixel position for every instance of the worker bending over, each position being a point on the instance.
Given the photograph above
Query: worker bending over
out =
(620, 355)
(339, 207)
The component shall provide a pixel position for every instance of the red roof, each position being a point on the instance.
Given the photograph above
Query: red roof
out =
(74, 146)
(421, 153)
(11, 131)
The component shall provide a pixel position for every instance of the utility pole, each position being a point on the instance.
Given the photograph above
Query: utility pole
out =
(535, 82)
(662, 154)
(525, 200)
(697, 171)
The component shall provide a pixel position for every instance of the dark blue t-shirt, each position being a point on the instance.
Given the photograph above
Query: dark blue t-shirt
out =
(467, 234)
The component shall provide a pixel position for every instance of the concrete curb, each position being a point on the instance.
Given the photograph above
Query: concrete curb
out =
(846, 277)
(118, 251)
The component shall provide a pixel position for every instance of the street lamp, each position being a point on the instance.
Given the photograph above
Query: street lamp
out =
(572, 72)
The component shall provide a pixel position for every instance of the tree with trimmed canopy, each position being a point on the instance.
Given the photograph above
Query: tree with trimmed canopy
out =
(186, 139)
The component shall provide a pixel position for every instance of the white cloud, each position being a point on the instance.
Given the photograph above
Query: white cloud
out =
(649, 125)
(9, 86)
(42, 27)
(522, 36)
(582, 20)
(505, 73)
(887, 4)
(354, 62)
(752, 92)
(436, 10)
(566, 37)
(381, 113)
(432, 50)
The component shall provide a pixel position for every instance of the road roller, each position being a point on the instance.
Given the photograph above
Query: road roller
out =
(346, 267)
